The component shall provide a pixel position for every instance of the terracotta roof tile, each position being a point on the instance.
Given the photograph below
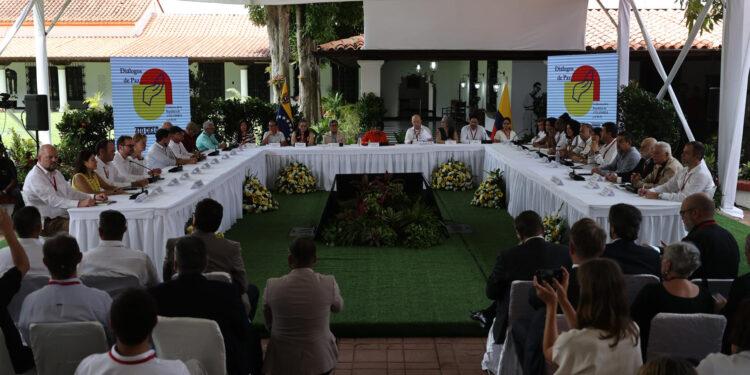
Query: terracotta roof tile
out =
(666, 27)
(79, 11)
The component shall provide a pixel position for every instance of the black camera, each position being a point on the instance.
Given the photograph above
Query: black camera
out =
(549, 274)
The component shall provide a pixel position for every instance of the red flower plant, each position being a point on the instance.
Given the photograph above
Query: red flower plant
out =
(83, 124)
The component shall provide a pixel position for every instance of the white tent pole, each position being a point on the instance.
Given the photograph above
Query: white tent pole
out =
(65, 6)
(17, 25)
(685, 48)
(660, 68)
(623, 43)
(606, 11)
(42, 64)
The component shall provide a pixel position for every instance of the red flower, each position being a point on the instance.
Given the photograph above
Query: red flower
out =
(83, 124)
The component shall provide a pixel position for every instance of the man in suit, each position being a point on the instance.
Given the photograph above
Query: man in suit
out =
(297, 309)
(192, 295)
(624, 225)
(587, 241)
(519, 263)
(223, 255)
(720, 255)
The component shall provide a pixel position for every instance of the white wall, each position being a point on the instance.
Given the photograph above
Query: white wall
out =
(231, 79)
(326, 80)
(97, 77)
(525, 73)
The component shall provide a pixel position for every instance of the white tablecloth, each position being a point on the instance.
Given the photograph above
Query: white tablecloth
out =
(163, 216)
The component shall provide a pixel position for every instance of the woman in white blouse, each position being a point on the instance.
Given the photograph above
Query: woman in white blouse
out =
(602, 339)
(505, 134)
(540, 134)
(739, 337)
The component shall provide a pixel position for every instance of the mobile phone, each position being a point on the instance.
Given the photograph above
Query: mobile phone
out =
(549, 274)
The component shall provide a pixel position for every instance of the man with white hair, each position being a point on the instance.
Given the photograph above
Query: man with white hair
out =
(207, 139)
(665, 166)
(46, 189)
(693, 178)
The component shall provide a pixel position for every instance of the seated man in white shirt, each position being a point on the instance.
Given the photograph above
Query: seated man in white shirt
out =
(473, 132)
(580, 153)
(28, 226)
(112, 258)
(132, 318)
(605, 154)
(693, 178)
(64, 298)
(124, 163)
(46, 189)
(160, 156)
(105, 153)
(176, 135)
(417, 133)
(273, 135)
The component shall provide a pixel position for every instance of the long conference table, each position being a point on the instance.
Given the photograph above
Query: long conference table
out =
(170, 204)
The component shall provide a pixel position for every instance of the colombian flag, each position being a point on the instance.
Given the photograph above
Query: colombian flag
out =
(504, 107)
(284, 118)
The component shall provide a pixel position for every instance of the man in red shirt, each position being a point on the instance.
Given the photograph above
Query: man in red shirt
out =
(375, 135)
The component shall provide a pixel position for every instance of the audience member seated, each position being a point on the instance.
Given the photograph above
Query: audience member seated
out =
(9, 179)
(10, 282)
(376, 134)
(667, 366)
(206, 141)
(587, 242)
(602, 338)
(581, 151)
(64, 298)
(417, 133)
(160, 156)
(108, 172)
(223, 255)
(176, 136)
(625, 162)
(646, 164)
(540, 131)
(605, 154)
(693, 178)
(303, 134)
(244, 135)
(624, 225)
(46, 189)
(519, 263)
(192, 295)
(28, 225)
(675, 294)
(738, 293)
(297, 309)
(125, 163)
(333, 135)
(192, 130)
(720, 255)
(446, 131)
(112, 258)
(132, 318)
(739, 338)
(86, 180)
(506, 134)
(665, 167)
(273, 135)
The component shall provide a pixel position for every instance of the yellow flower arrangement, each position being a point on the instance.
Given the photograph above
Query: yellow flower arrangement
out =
(295, 178)
(491, 192)
(257, 197)
(453, 175)
(554, 226)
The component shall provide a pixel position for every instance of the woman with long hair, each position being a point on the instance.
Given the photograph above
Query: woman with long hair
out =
(506, 134)
(602, 339)
(244, 135)
(87, 180)
(303, 134)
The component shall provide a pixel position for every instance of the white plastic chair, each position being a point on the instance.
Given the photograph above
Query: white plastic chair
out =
(634, 284)
(6, 367)
(507, 361)
(29, 284)
(692, 336)
(716, 285)
(113, 285)
(191, 338)
(59, 347)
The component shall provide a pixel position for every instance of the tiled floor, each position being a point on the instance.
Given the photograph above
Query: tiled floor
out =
(404, 356)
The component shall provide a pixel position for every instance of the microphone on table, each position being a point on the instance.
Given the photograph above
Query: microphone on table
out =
(151, 179)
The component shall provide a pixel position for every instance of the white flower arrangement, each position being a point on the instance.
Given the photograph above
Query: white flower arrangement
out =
(256, 197)
(453, 175)
(554, 226)
(295, 178)
(491, 192)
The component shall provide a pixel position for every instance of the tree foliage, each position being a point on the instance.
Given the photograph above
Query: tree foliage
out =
(693, 8)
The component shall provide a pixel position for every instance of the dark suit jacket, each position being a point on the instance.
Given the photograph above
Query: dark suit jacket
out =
(738, 293)
(519, 263)
(223, 255)
(196, 297)
(720, 255)
(634, 259)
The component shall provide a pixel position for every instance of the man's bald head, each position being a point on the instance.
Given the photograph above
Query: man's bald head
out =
(702, 203)
(48, 157)
(166, 125)
(416, 120)
(647, 147)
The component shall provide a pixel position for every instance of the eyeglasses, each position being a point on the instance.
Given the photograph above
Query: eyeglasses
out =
(682, 212)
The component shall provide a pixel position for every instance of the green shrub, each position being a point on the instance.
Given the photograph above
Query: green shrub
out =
(23, 153)
(745, 171)
(370, 108)
(82, 129)
(646, 116)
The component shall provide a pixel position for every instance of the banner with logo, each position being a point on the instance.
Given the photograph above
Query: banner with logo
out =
(585, 86)
(146, 92)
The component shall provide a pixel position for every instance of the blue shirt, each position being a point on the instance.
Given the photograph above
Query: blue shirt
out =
(206, 141)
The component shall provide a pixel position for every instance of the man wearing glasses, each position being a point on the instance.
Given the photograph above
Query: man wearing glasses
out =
(207, 139)
(122, 161)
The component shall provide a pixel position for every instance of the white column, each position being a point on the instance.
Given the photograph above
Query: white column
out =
(42, 73)
(62, 87)
(623, 42)
(735, 66)
(3, 86)
(369, 76)
(243, 81)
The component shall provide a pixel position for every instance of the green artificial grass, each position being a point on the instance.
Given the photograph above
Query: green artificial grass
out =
(739, 231)
(388, 291)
